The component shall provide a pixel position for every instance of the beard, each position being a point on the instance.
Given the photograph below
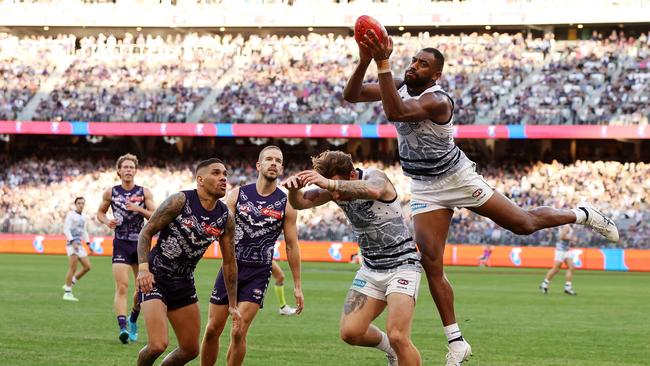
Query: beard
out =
(414, 82)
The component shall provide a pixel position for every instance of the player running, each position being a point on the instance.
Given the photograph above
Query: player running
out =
(131, 204)
(563, 255)
(390, 271)
(74, 228)
(443, 178)
(261, 214)
(188, 222)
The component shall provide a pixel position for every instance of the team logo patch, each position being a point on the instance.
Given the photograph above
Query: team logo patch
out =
(272, 213)
(358, 282)
(257, 292)
(187, 222)
(402, 281)
(477, 192)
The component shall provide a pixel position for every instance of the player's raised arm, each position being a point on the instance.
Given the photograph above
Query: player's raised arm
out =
(356, 90)
(164, 215)
(431, 106)
(103, 209)
(375, 186)
(302, 199)
(293, 254)
(229, 265)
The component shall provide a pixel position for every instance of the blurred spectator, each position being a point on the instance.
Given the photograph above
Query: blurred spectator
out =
(36, 193)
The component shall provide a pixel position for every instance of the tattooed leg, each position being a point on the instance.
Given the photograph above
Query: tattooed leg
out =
(359, 311)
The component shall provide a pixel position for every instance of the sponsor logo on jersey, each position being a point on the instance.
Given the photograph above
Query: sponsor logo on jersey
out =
(272, 213)
(358, 282)
(211, 230)
(417, 206)
(136, 198)
(257, 291)
(477, 192)
(402, 281)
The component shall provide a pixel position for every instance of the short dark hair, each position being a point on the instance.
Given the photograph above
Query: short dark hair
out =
(207, 162)
(331, 163)
(78, 199)
(270, 147)
(440, 59)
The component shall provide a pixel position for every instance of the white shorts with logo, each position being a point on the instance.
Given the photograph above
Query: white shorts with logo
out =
(379, 285)
(76, 249)
(562, 255)
(465, 188)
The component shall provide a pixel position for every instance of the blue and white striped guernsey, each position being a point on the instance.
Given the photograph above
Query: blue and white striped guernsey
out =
(384, 237)
(426, 149)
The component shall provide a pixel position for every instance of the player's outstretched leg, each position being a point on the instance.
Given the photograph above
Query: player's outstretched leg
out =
(525, 222)
(431, 230)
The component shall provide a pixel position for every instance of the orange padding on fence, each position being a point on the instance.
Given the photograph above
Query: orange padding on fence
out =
(321, 251)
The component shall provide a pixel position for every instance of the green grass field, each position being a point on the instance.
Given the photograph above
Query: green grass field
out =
(500, 312)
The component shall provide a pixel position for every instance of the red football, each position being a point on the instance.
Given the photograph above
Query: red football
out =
(366, 22)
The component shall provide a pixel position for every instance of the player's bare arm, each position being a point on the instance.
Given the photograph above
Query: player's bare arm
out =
(103, 209)
(167, 211)
(374, 186)
(293, 254)
(227, 246)
(356, 90)
(431, 106)
(303, 199)
(231, 200)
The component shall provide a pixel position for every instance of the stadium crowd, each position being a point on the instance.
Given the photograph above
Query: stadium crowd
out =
(36, 193)
(504, 78)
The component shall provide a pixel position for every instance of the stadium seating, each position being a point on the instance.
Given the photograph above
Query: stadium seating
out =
(494, 78)
(35, 195)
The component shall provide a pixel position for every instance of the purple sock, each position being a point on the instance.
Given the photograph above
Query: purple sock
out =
(121, 321)
(134, 315)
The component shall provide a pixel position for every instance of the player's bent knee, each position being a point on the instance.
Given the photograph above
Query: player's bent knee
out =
(398, 339)
(191, 352)
(350, 336)
(157, 348)
(122, 288)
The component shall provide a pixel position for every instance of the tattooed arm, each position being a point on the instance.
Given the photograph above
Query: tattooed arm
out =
(229, 266)
(167, 212)
(374, 185)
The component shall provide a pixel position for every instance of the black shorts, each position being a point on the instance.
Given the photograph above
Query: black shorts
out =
(252, 282)
(175, 293)
(125, 251)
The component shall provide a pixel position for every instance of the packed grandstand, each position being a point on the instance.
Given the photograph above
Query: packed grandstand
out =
(508, 78)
